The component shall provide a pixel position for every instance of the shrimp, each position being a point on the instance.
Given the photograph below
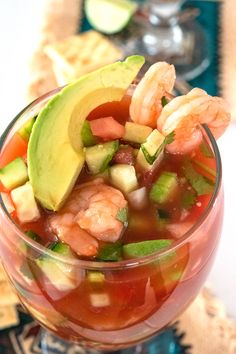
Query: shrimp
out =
(146, 105)
(89, 215)
(184, 114)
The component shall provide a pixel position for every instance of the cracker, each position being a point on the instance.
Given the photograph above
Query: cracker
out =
(8, 317)
(78, 55)
(7, 295)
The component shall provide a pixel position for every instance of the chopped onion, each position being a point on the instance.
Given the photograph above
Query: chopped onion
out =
(179, 229)
(138, 198)
(99, 300)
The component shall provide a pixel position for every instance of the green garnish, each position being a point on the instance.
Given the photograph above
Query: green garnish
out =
(188, 199)
(200, 183)
(111, 252)
(31, 234)
(164, 101)
(151, 158)
(145, 248)
(122, 215)
(87, 136)
(206, 150)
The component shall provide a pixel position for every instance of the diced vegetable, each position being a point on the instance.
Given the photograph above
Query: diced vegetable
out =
(122, 215)
(151, 146)
(138, 198)
(136, 133)
(206, 168)
(7, 202)
(95, 276)
(125, 155)
(164, 187)
(110, 252)
(124, 177)
(88, 138)
(100, 300)
(31, 234)
(60, 274)
(26, 206)
(23, 245)
(98, 156)
(107, 128)
(144, 248)
(201, 184)
(155, 145)
(142, 162)
(206, 150)
(14, 174)
(26, 129)
(188, 199)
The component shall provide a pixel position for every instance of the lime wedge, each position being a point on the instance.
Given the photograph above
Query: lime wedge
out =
(109, 16)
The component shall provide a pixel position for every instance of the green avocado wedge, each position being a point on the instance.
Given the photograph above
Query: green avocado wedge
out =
(55, 151)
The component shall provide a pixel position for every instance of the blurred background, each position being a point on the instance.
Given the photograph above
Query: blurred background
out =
(38, 53)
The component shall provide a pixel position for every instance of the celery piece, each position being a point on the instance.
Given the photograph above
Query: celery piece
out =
(200, 183)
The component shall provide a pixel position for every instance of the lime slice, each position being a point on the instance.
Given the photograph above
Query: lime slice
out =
(109, 16)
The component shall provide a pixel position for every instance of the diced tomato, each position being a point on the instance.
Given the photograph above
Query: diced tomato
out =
(14, 148)
(206, 166)
(199, 207)
(124, 155)
(107, 128)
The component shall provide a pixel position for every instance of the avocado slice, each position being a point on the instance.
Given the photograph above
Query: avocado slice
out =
(55, 152)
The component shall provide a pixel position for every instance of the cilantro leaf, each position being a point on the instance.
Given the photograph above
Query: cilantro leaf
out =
(122, 215)
(188, 199)
(164, 101)
(201, 184)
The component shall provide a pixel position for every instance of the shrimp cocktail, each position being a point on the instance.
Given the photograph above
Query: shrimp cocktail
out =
(111, 203)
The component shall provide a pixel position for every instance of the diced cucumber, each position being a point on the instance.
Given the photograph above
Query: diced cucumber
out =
(200, 183)
(26, 206)
(98, 156)
(26, 129)
(88, 138)
(142, 162)
(144, 248)
(31, 234)
(150, 153)
(109, 16)
(136, 133)
(14, 174)
(163, 188)
(110, 252)
(60, 274)
(124, 177)
(153, 142)
(7, 202)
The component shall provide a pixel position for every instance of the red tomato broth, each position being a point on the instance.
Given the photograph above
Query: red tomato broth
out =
(135, 294)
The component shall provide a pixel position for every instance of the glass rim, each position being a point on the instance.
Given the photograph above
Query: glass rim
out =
(106, 265)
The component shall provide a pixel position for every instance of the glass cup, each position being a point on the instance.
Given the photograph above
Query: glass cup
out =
(113, 305)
